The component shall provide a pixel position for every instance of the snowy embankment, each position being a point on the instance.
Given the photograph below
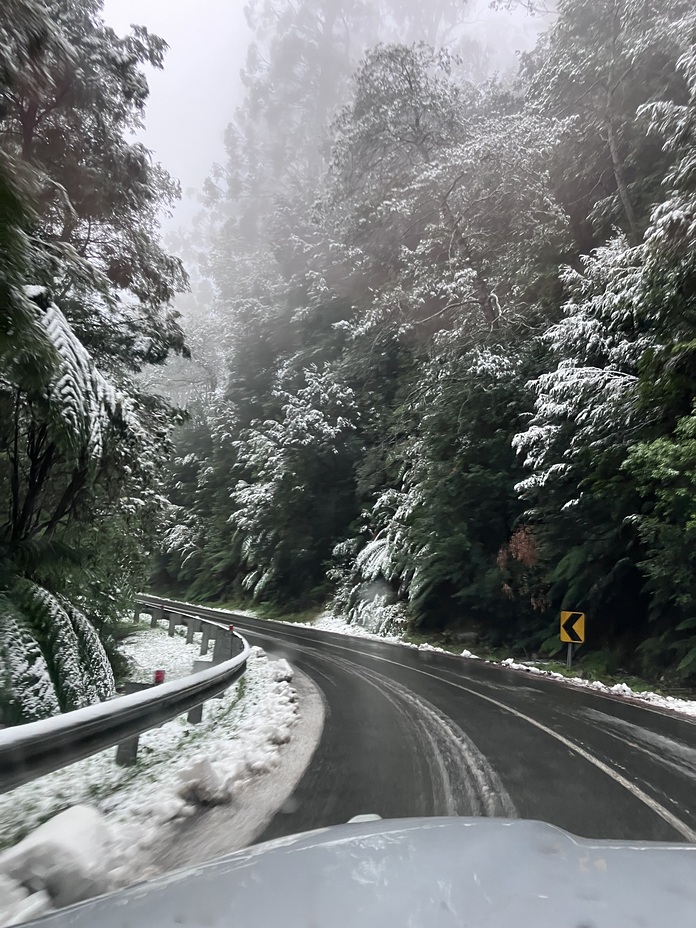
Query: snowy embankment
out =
(179, 768)
(332, 623)
(685, 706)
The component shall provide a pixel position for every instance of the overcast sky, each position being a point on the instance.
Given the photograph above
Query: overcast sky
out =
(194, 98)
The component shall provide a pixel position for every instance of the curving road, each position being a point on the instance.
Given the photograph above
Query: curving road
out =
(420, 733)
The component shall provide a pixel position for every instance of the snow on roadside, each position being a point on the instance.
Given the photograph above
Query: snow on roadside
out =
(685, 706)
(240, 737)
(332, 623)
(178, 765)
(152, 649)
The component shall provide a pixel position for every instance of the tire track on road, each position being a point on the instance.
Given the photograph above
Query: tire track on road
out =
(681, 827)
(468, 784)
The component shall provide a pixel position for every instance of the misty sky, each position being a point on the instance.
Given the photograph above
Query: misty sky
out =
(194, 98)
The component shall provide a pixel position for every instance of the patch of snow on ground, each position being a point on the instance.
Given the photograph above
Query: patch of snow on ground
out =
(153, 649)
(331, 623)
(179, 765)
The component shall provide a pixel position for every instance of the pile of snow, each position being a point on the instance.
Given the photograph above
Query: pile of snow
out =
(331, 623)
(18, 904)
(430, 647)
(215, 776)
(180, 766)
(66, 860)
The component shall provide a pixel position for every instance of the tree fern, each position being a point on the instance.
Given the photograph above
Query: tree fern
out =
(26, 354)
(84, 403)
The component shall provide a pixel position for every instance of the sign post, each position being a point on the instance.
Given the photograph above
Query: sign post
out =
(572, 632)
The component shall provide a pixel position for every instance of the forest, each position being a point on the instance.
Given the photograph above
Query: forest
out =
(441, 319)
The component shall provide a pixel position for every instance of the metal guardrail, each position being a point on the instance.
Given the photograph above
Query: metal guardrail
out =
(181, 614)
(29, 751)
(172, 607)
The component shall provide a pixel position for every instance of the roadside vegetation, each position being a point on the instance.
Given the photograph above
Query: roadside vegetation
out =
(442, 313)
(443, 320)
(85, 292)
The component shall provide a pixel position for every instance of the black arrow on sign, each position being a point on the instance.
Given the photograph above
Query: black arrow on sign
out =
(569, 626)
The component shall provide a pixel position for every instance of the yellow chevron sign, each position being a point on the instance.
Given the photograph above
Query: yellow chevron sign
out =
(573, 627)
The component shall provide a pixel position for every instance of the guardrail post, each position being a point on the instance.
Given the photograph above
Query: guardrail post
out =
(172, 624)
(153, 617)
(192, 626)
(195, 713)
(136, 613)
(224, 640)
(127, 751)
(205, 639)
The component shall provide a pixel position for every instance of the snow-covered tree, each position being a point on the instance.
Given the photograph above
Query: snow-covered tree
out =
(596, 65)
(297, 489)
(442, 196)
(84, 293)
(431, 542)
(609, 445)
(664, 465)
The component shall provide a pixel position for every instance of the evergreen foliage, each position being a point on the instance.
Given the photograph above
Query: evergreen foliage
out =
(453, 379)
(85, 288)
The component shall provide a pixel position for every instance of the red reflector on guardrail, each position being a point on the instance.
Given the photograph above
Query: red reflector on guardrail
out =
(159, 677)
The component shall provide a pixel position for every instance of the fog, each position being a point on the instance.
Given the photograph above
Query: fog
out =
(194, 98)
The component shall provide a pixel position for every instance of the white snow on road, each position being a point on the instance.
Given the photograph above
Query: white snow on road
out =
(179, 765)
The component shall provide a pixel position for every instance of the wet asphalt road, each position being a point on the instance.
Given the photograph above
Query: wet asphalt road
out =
(419, 733)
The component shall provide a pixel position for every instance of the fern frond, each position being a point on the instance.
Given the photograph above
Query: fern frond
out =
(27, 693)
(83, 401)
(94, 659)
(60, 645)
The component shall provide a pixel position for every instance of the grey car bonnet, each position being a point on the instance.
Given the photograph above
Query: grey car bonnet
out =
(434, 872)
